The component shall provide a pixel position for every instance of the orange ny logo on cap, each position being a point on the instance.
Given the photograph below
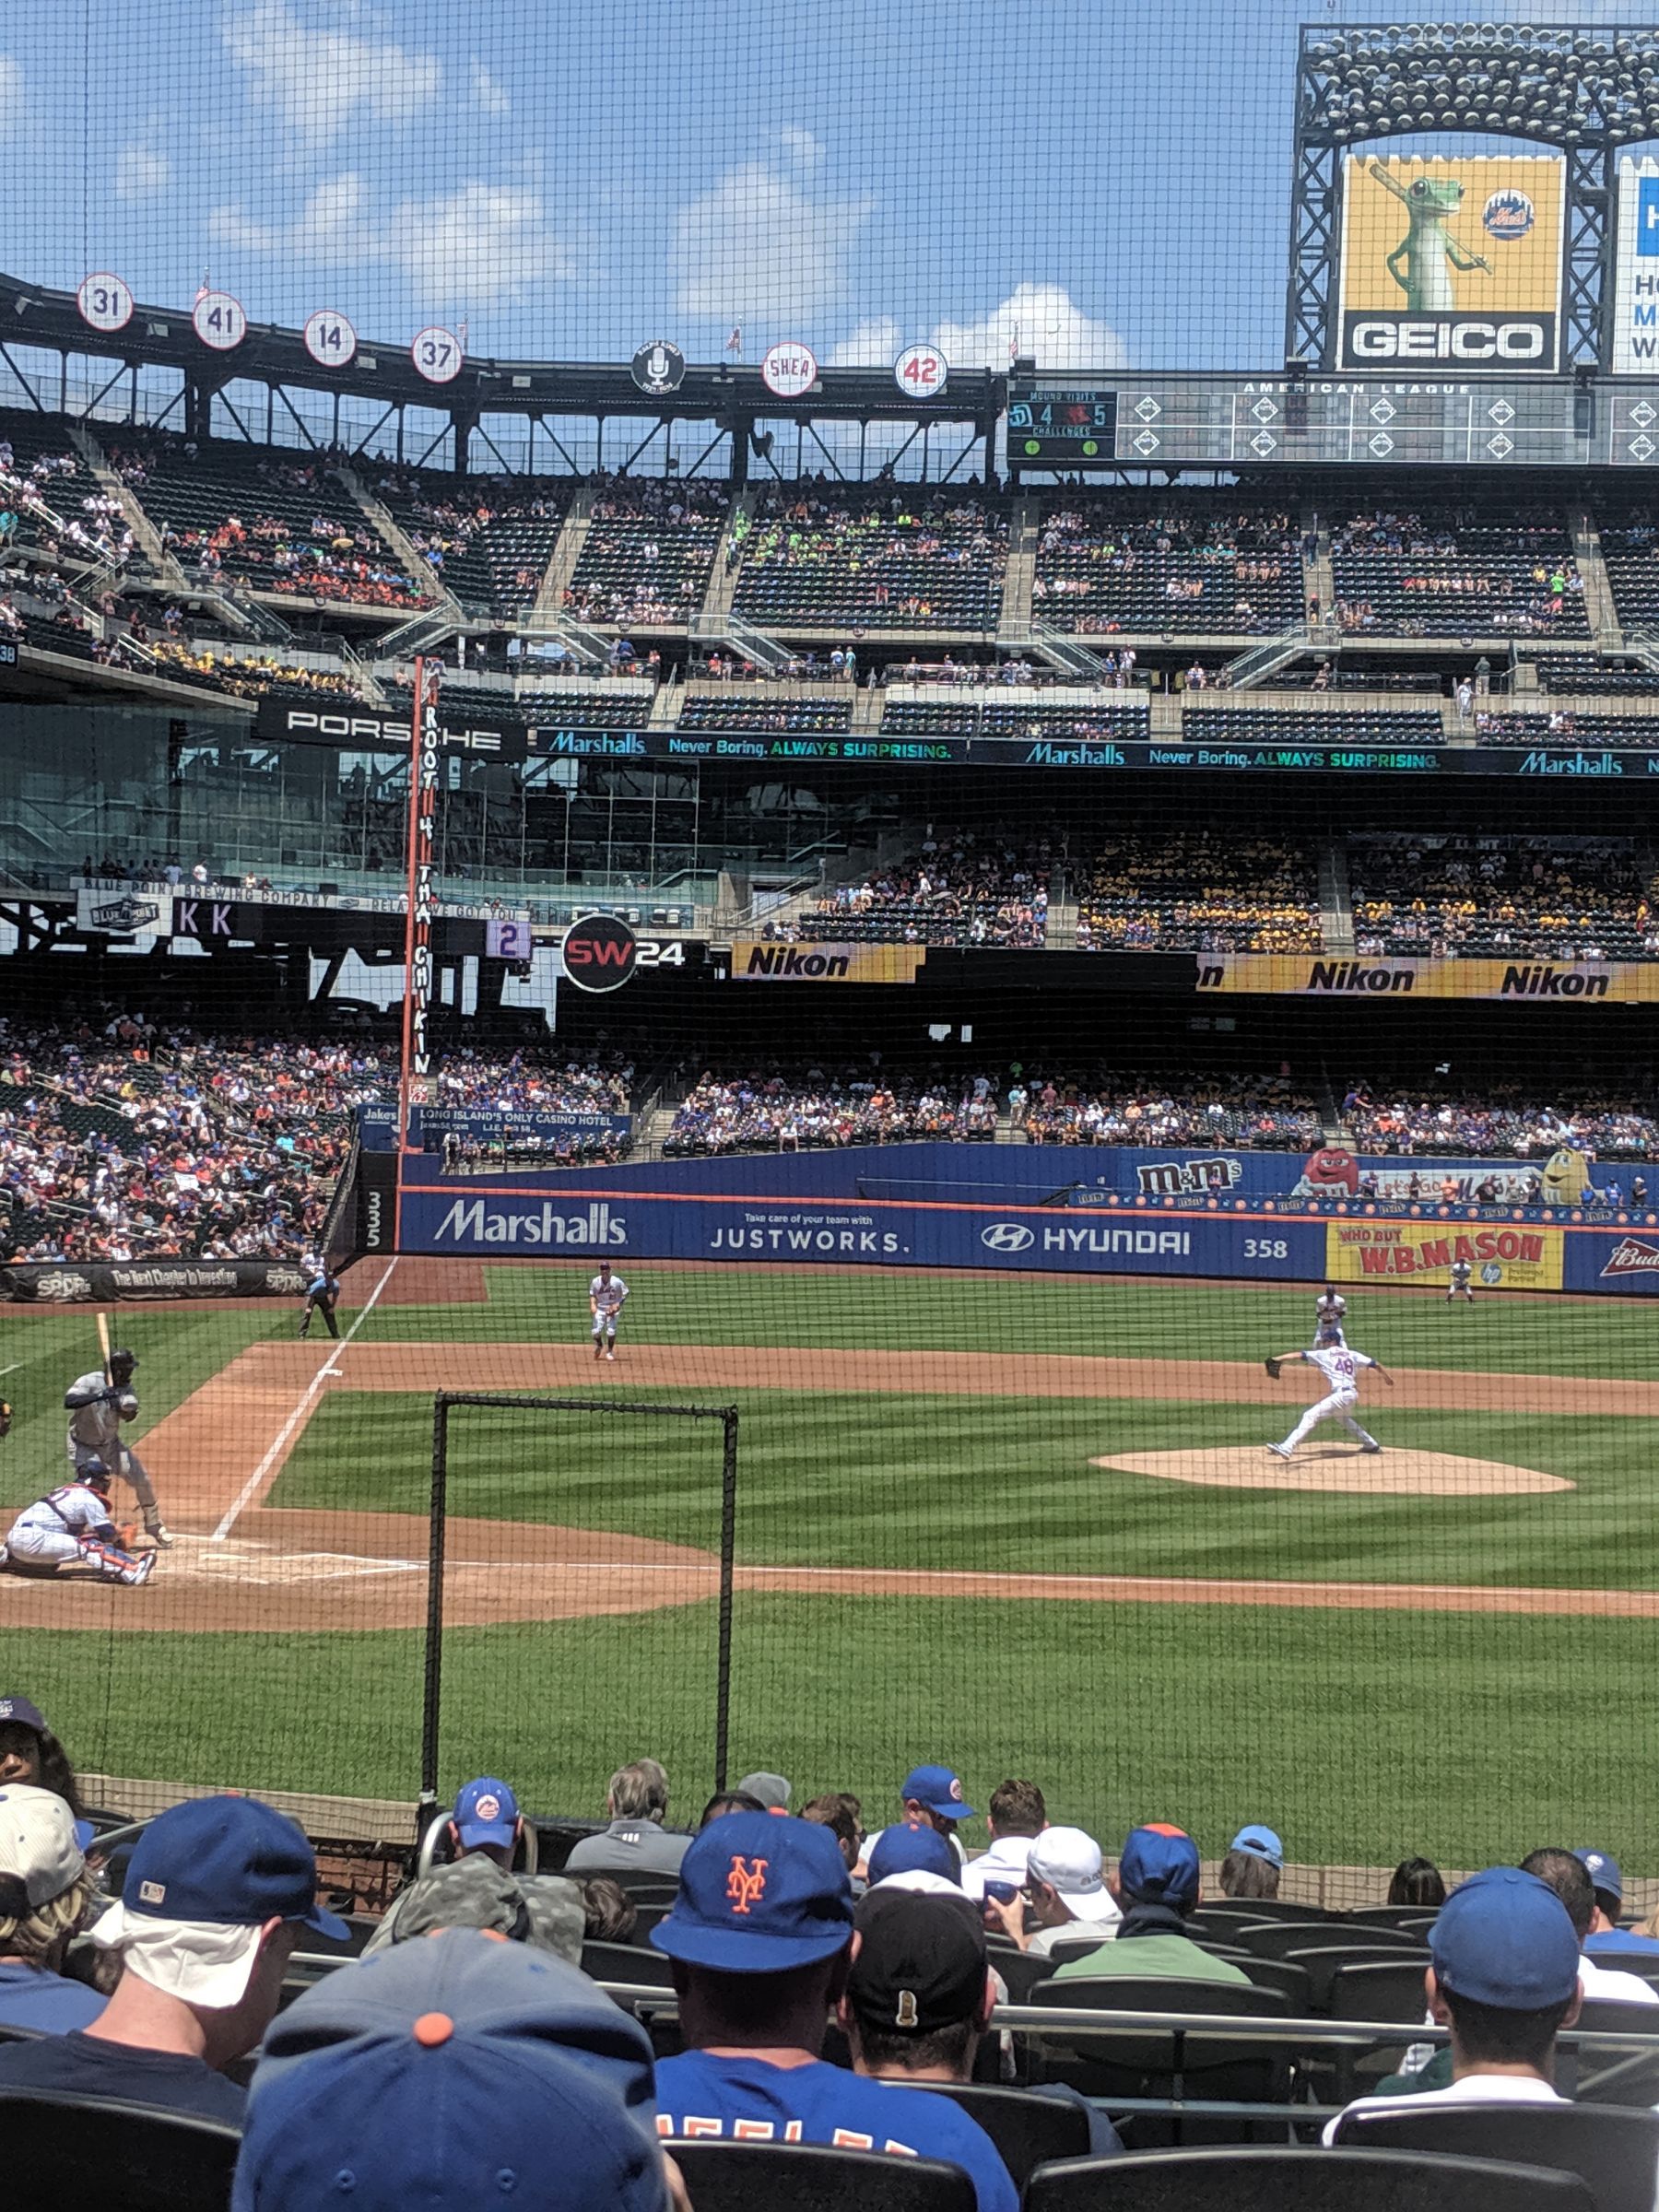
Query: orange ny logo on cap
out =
(745, 1884)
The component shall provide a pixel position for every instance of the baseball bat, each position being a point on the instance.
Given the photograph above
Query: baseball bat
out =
(103, 1342)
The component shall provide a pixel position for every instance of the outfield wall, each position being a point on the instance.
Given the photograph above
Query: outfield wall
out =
(566, 1216)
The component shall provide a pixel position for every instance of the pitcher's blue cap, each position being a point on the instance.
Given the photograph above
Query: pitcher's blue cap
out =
(486, 1812)
(939, 1790)
(1504, 1938)
(757, 1896)
(456, 2070)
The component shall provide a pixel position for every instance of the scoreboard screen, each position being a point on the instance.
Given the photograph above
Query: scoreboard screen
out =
(1051, 426)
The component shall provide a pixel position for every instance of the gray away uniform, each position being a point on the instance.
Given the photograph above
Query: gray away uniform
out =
(95, 1408)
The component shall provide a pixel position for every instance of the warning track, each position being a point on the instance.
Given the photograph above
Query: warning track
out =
(363, 1571)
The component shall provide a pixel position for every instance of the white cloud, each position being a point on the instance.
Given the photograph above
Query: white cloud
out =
(142, 172)
(319, 80)
(11, 94)
(803, 149)
(474, 247)
(488, 93)
(1042, 320)
(873, 345)
(477, 245)
(758, 245)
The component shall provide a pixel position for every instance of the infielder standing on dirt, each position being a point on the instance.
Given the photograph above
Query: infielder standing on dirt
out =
(1463, 1282)
(607, 1294)
(1340, 1366)
(1328, 1310)
(96, 1404)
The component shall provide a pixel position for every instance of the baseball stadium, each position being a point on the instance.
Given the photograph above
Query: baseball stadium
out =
(823, 963)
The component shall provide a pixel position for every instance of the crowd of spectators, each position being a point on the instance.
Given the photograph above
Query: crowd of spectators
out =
(1113, 563)
(1499, 1120)
(648, 551)
(775, 1109)
(1200, 889)
(490, 2033)
(1437, 572)
(883, 557)
(957, 888)
(265, 676)
(1555, 898)
(544, 1080)
(1273, 1114)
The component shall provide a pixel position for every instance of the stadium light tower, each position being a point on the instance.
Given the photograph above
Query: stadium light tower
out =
(1581, 92)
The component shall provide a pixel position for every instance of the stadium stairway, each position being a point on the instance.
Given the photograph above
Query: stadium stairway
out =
(1336, 900)
(1318, 579)
(1599, 609)
(723, 570)
(394, 536)
(566, 553)
(1021, 571)
(145, 532)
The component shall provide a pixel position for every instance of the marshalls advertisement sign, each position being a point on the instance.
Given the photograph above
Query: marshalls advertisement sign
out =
(1451, 264)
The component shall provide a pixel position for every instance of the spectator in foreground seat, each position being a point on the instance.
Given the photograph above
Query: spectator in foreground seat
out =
(1016, 1815)
(914, 1858)
(636, 1804)
(486, 1824)
(761, 1939)
(455, 2072)
(1156, 1886)
(1063, 1898)
(771, 1791)
(1505, 1977)
(1255, 1861)
(729, 1801)
(217, 1895)
(1606, 1937)
(543, 1910)
(920, 1995)
(43, 1892)
(838, 1811)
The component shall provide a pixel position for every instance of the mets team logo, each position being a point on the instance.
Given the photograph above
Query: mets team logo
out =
(745, 1884)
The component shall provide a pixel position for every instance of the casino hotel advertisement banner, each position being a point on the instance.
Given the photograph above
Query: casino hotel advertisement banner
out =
(1520, 1256)
(1451, 265)
(1534, 983)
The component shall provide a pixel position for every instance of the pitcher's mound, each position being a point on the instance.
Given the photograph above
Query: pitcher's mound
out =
(1385, 1473)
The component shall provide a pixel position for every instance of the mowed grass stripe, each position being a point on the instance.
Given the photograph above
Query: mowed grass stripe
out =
(1131, 1318)
(1399, 1735)
(1000, 1485)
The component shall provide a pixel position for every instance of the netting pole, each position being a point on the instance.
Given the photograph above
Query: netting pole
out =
(728, 1547)
(437, 1517)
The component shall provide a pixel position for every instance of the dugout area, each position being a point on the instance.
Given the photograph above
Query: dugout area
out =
(941, 1543)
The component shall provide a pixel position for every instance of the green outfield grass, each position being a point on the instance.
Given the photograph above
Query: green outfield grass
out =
(1361, 1734)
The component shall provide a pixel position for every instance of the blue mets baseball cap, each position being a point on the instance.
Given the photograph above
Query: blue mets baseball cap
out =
(486, 1812)
(28, 1716)
(939, 1790)
(1603, 1872)
(758, 1896)
(458, 2070)
(906, 1850)
(1158, 1865)
(1504, 1938)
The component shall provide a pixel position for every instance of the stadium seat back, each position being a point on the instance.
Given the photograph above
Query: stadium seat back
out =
(809, 2177)
(1027, 2130)
(636, 1963)
(85, 2154)
(1615, 2152)
(1326, 1961)
(1301, 2181)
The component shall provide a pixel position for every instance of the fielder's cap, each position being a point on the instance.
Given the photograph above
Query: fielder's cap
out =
(920, 1963)
(906, 1850)
(486, 1812)
(458, 2071)
(1259, 1842)
(544, 1911)
(1069, 1862)
(203, 1878)
(773, 1790)
(758, 1896)
(1603, 1872)
(939, 1790)
(1504, 1938)
(1159, 1865)
(29, 1717)
(38, 1855)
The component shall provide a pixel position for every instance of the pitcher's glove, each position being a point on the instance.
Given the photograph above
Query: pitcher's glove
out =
(1273, 1368)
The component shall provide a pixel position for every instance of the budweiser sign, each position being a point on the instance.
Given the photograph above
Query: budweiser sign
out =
(1632, 1255)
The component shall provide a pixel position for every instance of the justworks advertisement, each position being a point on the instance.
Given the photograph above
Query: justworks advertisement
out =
(1452, 264)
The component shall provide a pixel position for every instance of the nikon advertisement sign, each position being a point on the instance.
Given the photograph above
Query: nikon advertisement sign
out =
(1452, 264)
(761, 962)
(1538, 982)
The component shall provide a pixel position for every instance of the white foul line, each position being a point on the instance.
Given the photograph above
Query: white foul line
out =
(12, 1369)
(250, 1489)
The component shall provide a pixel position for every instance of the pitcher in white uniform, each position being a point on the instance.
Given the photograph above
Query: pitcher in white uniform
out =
(1340, 1365)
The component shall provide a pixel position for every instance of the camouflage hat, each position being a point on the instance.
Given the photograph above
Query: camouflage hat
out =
(544, 1910)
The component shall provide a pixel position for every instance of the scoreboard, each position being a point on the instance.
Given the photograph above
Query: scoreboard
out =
(1053, 427)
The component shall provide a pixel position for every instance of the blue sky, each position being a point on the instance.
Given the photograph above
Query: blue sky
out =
(1112, 179)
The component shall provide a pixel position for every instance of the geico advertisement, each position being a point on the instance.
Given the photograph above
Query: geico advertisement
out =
(1450, 263)
(1635, 316)
(1502, 1259)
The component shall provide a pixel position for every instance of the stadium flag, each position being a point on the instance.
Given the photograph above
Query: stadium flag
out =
(733, 345)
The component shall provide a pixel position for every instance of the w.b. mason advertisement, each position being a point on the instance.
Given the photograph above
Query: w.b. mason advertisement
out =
(1452, 264)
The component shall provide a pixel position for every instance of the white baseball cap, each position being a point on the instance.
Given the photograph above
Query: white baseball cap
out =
(38, 1855)
(1069, 1860)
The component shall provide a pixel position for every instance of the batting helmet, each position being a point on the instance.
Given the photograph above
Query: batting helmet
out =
(122, 1364)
